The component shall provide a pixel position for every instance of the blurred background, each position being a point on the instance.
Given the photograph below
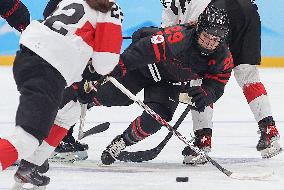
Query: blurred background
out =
(138, 13)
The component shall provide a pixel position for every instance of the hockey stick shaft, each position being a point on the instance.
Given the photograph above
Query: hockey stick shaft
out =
(84, 108)
(150, 154)
(159, 119)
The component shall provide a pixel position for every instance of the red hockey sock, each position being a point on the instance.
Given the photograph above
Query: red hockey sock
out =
(56, 135)
(253, 91)
(8, 153)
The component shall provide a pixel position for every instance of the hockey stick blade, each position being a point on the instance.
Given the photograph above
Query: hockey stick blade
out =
(254, 177)
(239, 176)
(147, 155)
(96, 129)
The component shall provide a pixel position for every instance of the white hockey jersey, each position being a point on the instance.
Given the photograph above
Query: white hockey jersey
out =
(73, 34)
(182, 11)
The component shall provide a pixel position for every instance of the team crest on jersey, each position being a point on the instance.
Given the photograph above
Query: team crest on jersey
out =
(157, 39)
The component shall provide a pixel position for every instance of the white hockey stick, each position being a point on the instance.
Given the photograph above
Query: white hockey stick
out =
(96, 129)
(159, 119)
(84, 108)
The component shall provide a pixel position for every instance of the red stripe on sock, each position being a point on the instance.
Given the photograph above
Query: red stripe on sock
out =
(56, 135)
(254, 90)
(8, 153)
(141, 130)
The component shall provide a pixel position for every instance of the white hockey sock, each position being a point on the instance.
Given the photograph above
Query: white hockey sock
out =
(24, 142)
(44, 151)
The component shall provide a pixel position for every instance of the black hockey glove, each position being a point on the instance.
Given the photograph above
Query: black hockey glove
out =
(202, 96)
(144, 32)
(90, 74)
(86, 92)
(69, 94)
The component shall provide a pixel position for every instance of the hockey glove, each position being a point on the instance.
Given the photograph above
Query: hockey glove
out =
(86, 92)
(202, 96)
(90, 74)
(70, 93)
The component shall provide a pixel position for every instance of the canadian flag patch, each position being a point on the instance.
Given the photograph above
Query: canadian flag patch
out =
(157, 39)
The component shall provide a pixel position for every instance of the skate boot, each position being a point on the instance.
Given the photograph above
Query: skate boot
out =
(27, 173)
(268, 143)
(43, 168)
(70, 150)
(202, 141)
(111, 152)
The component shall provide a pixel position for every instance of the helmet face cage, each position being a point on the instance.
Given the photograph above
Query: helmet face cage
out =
(213, 21)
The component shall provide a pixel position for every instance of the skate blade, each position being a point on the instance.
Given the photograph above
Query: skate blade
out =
(35, 188)
(20, 186)
(69, 157)
(194, 160)
(273, 150)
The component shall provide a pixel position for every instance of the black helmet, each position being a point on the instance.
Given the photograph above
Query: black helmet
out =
(214, 20)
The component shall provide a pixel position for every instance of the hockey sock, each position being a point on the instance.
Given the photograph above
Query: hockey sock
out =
(20, 145)
(8, 154)
(43, 152)
(257, 99)
(134, 133)
(202, 119)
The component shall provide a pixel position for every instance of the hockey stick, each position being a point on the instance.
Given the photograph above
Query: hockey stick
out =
(84, 108)
(159, 119)
(96, 129)
(150, 154)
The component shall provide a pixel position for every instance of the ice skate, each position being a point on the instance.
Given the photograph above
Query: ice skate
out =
(203, 142)
(69, 151)
(109, 155)
(28, 175)
(269, 141)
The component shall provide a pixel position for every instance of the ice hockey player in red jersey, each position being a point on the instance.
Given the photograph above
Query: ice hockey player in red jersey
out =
(15, 13)
(52, 55)
(244, 42)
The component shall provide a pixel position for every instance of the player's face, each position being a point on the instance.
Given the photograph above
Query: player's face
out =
(208, 41)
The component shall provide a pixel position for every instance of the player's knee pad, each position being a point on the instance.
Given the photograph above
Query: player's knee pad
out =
(246, 74)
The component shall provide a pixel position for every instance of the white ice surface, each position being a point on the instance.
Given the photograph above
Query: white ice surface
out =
(234, 140)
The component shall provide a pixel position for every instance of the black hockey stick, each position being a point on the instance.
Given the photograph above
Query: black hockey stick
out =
(96, 129)
(150, 154)
(159, 119)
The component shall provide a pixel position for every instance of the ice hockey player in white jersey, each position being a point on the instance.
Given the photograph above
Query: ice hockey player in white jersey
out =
(182, 11)
(244, 41)
(53, 54)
